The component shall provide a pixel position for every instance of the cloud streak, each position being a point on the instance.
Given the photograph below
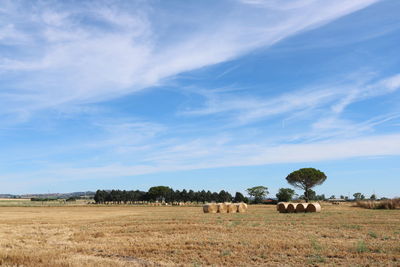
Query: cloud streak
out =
(245, 110)
(227, 155)
(120, 51)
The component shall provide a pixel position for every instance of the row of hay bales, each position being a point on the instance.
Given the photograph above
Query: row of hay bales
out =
(156, 204)
(224, 207)
(286, 207)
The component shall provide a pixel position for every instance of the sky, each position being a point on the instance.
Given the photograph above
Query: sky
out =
(211, 95)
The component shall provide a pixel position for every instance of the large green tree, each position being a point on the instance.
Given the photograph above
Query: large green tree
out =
(306, 178)
(159, 192)
(258, 193)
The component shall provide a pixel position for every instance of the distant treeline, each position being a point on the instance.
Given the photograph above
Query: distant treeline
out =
(53, 199)
(165, 194)
(42, 199)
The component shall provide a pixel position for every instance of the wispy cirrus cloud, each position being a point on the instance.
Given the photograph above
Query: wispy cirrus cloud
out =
(248, 109)
(61, 64)
(94, 52)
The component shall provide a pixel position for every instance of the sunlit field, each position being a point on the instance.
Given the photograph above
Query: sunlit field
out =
(167, 236)
(23, 202)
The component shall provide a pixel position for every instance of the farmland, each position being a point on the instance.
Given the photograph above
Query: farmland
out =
(99, 235)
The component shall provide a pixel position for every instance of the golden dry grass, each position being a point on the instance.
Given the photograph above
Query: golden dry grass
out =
(24, 202)
(389, 204)
(185, 236)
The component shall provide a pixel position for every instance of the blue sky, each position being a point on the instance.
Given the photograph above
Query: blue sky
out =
(199, 94)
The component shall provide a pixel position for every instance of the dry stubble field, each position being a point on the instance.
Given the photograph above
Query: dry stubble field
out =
(169, 236)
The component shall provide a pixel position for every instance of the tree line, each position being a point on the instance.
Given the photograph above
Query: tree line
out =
(165, 194)
(305, 179)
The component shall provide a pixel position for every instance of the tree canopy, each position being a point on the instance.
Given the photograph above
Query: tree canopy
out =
(240, 198)
(285, 194)
(306, 178)
(160, 193)
(163, 193)
(258, 192)
(358, 196)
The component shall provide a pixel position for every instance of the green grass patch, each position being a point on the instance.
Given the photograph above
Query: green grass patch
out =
(372, 234)
(361, 247)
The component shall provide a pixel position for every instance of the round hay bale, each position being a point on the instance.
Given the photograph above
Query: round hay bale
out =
(232, 208)
(282, 207)
(313, 207)
(291, 207)
(301, 207)
(240, 207)
(222, 208)
(210, 208)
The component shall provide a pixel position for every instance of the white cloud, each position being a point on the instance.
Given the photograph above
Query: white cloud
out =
(123, 51)
(228, 155)
(247, 109)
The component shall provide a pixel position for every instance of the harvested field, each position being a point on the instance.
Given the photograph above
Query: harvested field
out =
(169, 236)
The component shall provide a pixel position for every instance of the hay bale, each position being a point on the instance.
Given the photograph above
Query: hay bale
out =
(245, 205)
(291, 207)
(282, 207)
(232, 208)
(313, 207)
(210, 208)
(241, 207)
(301, 207)
(222, 208)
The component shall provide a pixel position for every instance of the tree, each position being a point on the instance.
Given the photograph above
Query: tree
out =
(373, 197)
(209, 196)
(224, 196)
(215, 197)
(258, 192)
(184, 195)
(159, 192)
(239, 197)
(191, 196)
(100, 196)
(285, 194)
(306, 178)
(203, 196)
(357, 196)
(312, 195)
